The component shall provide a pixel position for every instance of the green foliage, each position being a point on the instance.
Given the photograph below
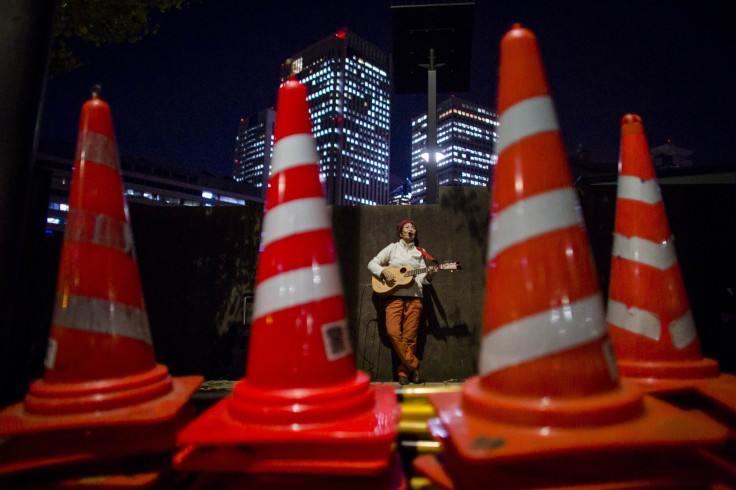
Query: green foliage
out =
(102, 21)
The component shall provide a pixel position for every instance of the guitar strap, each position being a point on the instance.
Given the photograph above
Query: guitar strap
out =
(424, 252)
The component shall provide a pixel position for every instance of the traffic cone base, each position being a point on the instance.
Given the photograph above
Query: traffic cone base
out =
(391, 479)
(682, 372)
(430, 466)
(46, 398)
(360, 441)
(662, 477)
(16, 419)
(617, 405)
(276, 460)
(301, 406)
(722, 390)
(719, 390)
(475, 445)
(82, 445)
(661, 426)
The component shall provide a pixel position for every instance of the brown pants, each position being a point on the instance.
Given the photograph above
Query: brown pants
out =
(402, 324)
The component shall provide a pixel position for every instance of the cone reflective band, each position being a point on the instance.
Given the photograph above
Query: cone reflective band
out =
(649, 315)
(303, 407)
(547, 393)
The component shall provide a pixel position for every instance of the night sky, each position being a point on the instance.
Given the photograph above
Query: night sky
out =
(177, 97)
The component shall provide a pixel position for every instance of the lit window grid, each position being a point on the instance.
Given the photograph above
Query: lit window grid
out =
(362, 127)
(250, 153)
(466, 138)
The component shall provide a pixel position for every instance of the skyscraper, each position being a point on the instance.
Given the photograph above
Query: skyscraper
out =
(349, 99)
(466, 137)
(401, 195)
(253, 149)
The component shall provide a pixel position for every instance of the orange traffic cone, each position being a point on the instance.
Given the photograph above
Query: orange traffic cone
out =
(649, 315)
(302, 407)
(548, 388)
(100, 366)
(652, 328)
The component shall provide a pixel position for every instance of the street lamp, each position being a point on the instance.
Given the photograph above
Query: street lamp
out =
(437, 155)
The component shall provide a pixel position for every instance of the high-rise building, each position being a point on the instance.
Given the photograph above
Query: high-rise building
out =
(466, 138)
(401, 195)
(254, 148)
(349, 102)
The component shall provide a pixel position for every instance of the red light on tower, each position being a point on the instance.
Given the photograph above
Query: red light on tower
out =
(341, 33)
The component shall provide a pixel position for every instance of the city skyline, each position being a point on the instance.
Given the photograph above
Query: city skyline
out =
(177, 97)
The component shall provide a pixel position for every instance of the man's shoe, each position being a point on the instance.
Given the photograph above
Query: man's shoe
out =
(403, 380)
(416, 377)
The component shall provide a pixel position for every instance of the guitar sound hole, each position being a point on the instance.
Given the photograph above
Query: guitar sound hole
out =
(402, 270)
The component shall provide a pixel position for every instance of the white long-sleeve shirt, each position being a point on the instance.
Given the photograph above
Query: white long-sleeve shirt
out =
(396, 255)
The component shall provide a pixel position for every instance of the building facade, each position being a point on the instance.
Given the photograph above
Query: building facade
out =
(401, 195)
(466, 139)
(348, 84)
(253, 150)
(144, 182)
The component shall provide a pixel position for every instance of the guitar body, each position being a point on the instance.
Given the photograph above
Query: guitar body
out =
(401, 280)
(404, 275)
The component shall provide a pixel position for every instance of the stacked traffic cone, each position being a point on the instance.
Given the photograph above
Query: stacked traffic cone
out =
(652, 328)
(302, 407)
(102, 395)
(547, 408)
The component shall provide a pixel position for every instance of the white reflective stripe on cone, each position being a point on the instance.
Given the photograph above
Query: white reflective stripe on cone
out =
(683, 330)
(648, 324)
(298, 216)
(634, 188)
(543, 213)
(526, 118)
(101, 316)
(293, 151)
(545, 333)
(296, 287)
(659, 255)
(97, 148)
(106, 231)
(635, 320)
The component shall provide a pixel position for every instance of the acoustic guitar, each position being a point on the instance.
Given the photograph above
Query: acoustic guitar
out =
(403, 277)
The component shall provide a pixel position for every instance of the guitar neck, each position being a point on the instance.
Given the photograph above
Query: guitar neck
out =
(415, 272)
